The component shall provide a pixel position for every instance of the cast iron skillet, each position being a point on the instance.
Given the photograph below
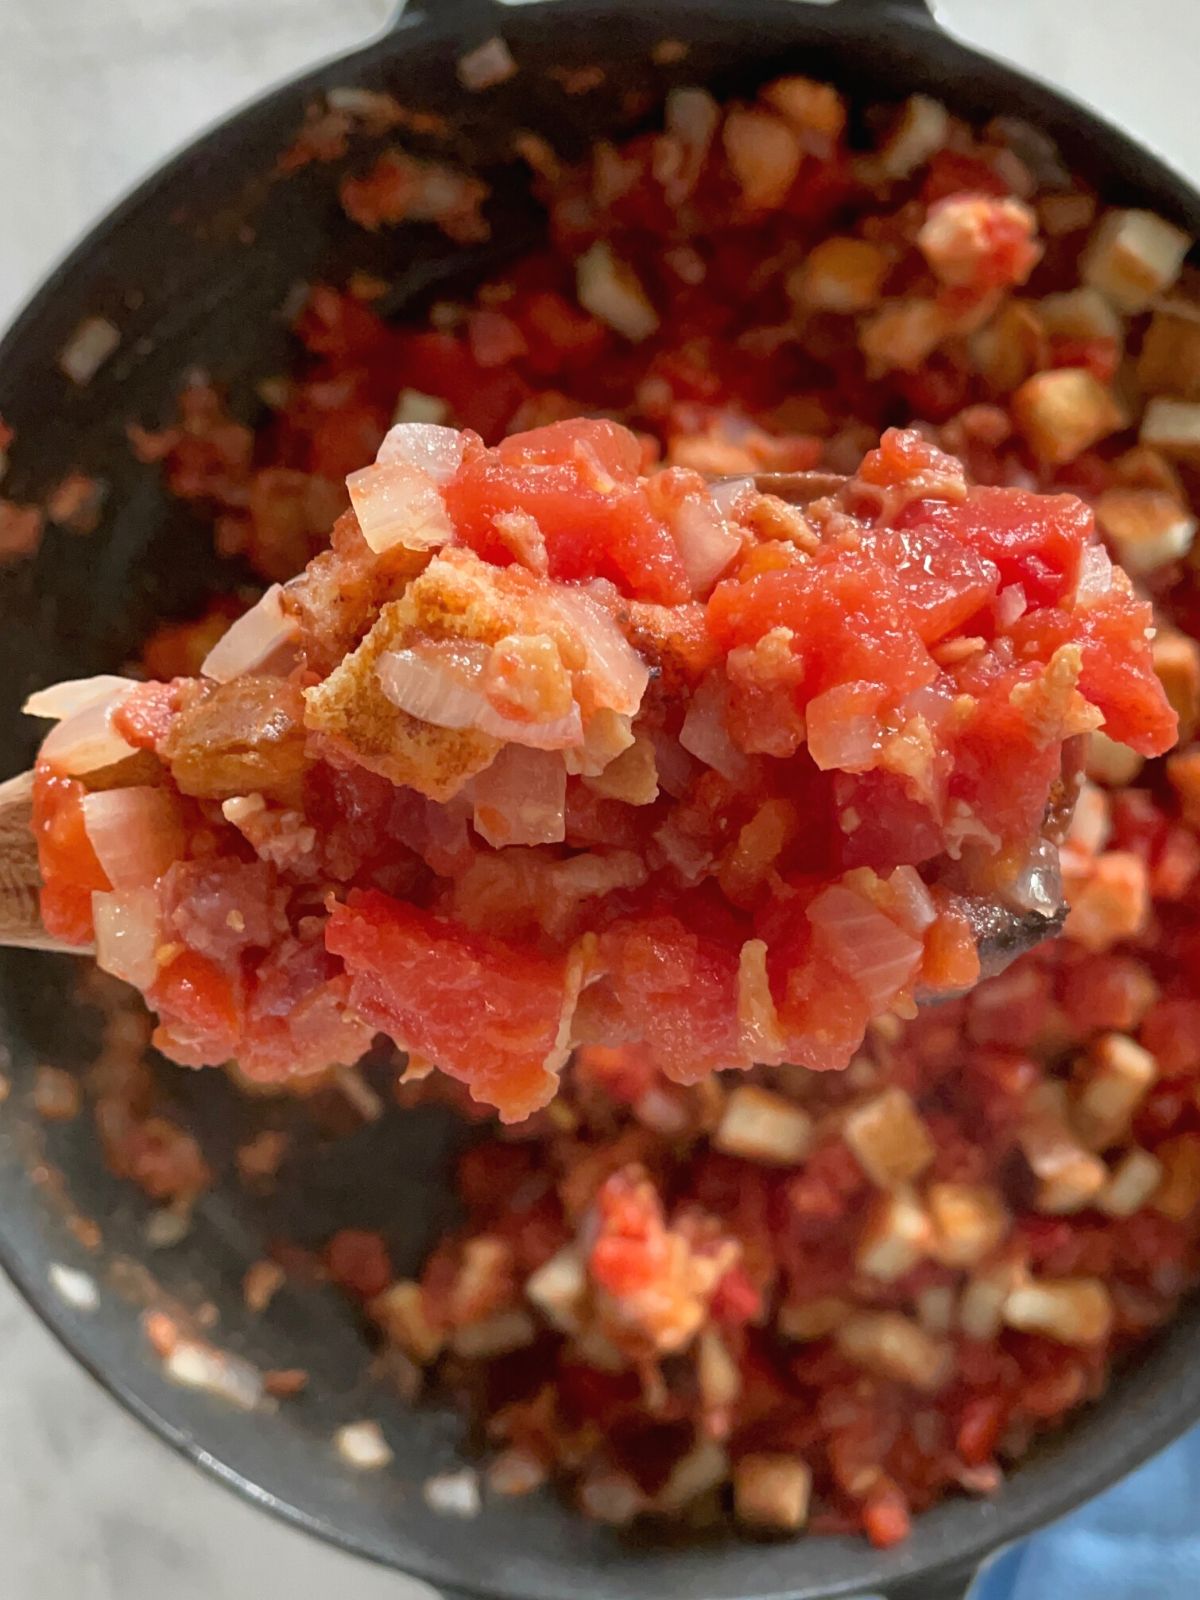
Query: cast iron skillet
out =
(172, 268)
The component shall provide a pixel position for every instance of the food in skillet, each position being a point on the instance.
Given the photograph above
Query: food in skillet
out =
(828, 1300)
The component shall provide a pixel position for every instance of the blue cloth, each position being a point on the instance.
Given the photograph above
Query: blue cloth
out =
(1140, 1541)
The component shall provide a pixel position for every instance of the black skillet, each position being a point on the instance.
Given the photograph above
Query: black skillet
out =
(172, 269)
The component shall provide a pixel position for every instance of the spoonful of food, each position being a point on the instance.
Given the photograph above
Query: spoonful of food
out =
(544, 751)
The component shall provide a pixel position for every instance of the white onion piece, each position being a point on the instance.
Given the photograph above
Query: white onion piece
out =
(705, 735)
(434, 691)
(427, 446)
(693, 116)
(611, 290)
(136, 834)
(1095, 575)
(398, 504)
(490, 64)
(726, 495)
(915, 901)
(617, 675)
(1011, 605)
(879, 957)
(258, 639)
(521, 798)
(1039, 886)
(126, 923)
(705, 542)
(86, 741)
(838, 739)
(61, 700)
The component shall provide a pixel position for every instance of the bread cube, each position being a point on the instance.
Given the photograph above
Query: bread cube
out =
(1074, 1311)
(772, 1491)
(902, 336)
(1006, 350)
(897, 1235)
(1132, 256)
(1178, 1192)
(809, 106)
(1081, 314)
(888, 1138)
(840, 275)
(764, 153)
(1172, 426)
(893, 1346)
(969, 1221)
(1119, 1075)
(763, 1127)
(1111, 764)
(1177, 663)
(1169, 360)
(1146, 527)
(1132, 1184)
(1065, 411)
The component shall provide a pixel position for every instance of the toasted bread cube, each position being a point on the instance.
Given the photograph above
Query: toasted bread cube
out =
(1081, 314)
(1111, 764)
(558, 1289)
(718, 1374)
(902, 336)
(772, 1491)
(809, 106)
(610, 289)
(1075, 1311)
(807, 1320)
(400, 1312)
(1069, 1176)
(897, 1235)
(1172, 426)
(1144, 468)
(1006, 350)
(497, 1335)
(1132, 256)
(981, 1304)
(764, 1127)
(1112, 904)
(1120, 1076)
(1178, 1193)
(1177, 663)
(1169, 360)
(889, 1140)
(842, 275)
(1134, 1180)
(764, 153)
(920, 131)
(969, 1221)
(1065, 411)
(893, 1346)
(1146, 527)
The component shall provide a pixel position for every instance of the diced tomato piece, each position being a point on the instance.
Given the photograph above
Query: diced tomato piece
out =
(1034, 540)
(70, 869)
(200, 1011)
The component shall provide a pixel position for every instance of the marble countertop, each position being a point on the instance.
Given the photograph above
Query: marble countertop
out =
(91, 1506)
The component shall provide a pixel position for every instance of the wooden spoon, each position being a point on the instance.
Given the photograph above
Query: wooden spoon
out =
(1003, 934)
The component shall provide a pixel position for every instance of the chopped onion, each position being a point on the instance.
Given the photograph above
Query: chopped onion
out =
(879, 957)
(454, 1494)
(136, 834)
(85, 740)
(448, 695)
(1095, 575)
(693, 117)
(416, 406)
(1011, 605)
(126, 923)
(758, 1022)
(913, 900)
(362, 1446)
(606, 735)
(1039, 886)
(258, 640)
(521, 798)
(198, 1366)
(705, 542)
(726, 495)
(617, 675)
(399, 504)
(427, 446)
(841, 735)
(62, 700)
(705, 735)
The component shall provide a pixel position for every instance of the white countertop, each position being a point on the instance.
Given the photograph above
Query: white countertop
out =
(91, 1507)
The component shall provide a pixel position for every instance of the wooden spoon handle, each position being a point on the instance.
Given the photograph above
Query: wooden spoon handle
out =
(20, 879)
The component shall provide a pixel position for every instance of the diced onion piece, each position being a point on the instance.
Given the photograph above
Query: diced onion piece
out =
(726, 495)
(521, 798)
(255, 641)
(454, 1494)
(86, 741)
(1095, 575)
(610, 290)
(1075, 1311)
(432, 691)
(843, 729)
(399, 505)
(136, 834)
(705, 541)
(62, 700)
(762, 1127)
(126, 922)
(705, 735)
(196, 1365)
(874, 952)
(490, 64)
(428, 446)
(892, 1346)
(362, 1446)
(1011, 606)
(88, 348)
(617, 676)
